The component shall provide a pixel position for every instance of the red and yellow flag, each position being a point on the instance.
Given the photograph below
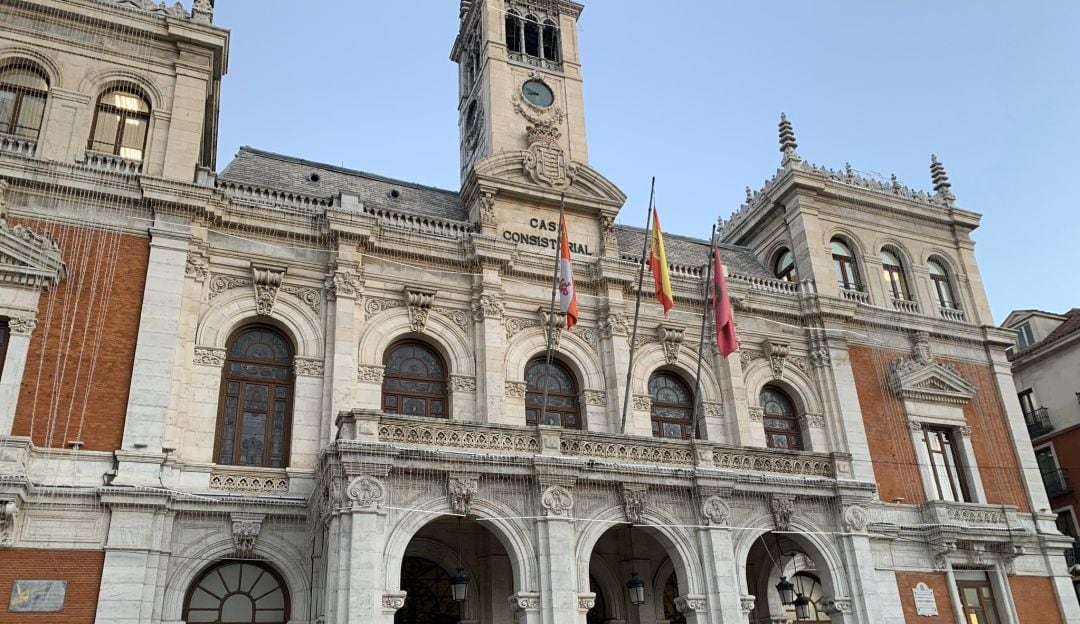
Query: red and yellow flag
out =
(658, 265)
(567, 292)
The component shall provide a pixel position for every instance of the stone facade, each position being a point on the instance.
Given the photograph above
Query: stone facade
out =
(133, 281)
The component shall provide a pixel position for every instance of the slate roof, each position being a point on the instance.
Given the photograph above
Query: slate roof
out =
(286, 173)
(1070, 326)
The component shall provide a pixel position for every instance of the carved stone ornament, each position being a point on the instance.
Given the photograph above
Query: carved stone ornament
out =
(267, 282)
(545, 162)
(462, 383)
(612, 324)
(671, 340)
(819, 353)
(245, 533)
(634, 501)
(691, 603)
(930, 382)
(366, 491)
(836, 604)
(342, 284)
(419, 302)
(855, 519)
(813, 421)
(557, 501)
(8, 513)
(525, 601)
(376, 305)
(712, 409)
(202, 11)
(514, 389)
(461, 489)
(609, 243)
(594, 397)
(392, 601)
(487, 211)
(642, 402)
(783, 508)
(308, 367)
(559, 324)
(715, 511)
(586, 602)
(940, 552)
(196, 267)
(488, 306)
(778, 353)
(746, 602)
(757, 413)
(370, 373)
(209, 356)
(22, 325)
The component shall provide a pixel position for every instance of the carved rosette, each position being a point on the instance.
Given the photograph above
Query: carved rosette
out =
(855, 519)
(308, 367)
(634, 502)
(392, 601)
(420, 303)
(22, 325)
(461, 489)
(488, 307)
(245, 533)
(462, 383)
(514, 389)
(370, 373)
(366, 491)
(715, 511)
(8, 512)
(209, 356)
(783, 508)
(557, 501)
(757, 413)
(267, 282)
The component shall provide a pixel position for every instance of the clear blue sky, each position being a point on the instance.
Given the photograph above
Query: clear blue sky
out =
(691, 92)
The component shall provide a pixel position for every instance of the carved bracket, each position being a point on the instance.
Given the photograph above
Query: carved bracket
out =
(366, 492)
(245, 532)
(671, 340)
(634, 501)
(8, 512)
(783, 508)
(461, 488)
(778, 353)
(267, 282)
(557, 501)
(419, 303)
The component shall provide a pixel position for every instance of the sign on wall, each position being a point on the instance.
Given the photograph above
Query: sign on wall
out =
(37, 596)
(925, 604)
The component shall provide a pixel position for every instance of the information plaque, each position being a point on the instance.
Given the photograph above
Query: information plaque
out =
(37, 596)
(925, 604)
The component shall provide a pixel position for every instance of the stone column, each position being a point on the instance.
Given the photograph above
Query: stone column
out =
(555, 541)
(136, 553)
(157, 343)
(718, 563)
(360, 562)
(844, 426)
(344, 287)
(489, 337)
(863, 604)
(14, 364)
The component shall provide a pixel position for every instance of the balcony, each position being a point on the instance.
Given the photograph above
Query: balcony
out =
(952, 314)
(20, 146)
(1056, 482)
(855, 295)
(1038, 422)
(905, 305)
(112, 164)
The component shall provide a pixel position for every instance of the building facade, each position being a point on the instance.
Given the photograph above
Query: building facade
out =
(1046, 371)
(293, 392)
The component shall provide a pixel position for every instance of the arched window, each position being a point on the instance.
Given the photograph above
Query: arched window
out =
(808, 585)
(429, 597)
(238, 592)
(414, 382)
(672, 407)
(893, 272)
(562, 399)
(120, 123)
(23, 91)
(671, 592)
(598, 613)
(514, 36)
(532, 36)
(784, 267)
(847, 271)
(943, 291)
(256, 399)
(781, 422)
(551, 41)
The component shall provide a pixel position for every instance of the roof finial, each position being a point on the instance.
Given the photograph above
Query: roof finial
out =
(787, 141)
(940, 179)
(749, 196)
(465, 6)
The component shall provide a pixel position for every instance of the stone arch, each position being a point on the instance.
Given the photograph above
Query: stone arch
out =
(515, 537)
(96, 84)
(797, 384)
(669, 531)
(611, 585)
(446, 558)
(573, 349)
(808, 536)
(236, 307)
(393, 325)
(848, 236)
(772, 254)
(46, 64)
(277, 551)
(651, 359)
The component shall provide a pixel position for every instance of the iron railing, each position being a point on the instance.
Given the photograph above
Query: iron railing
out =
(1038, 422)
(1056, 482)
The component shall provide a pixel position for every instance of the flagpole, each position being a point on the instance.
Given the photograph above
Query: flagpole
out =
(637, 306)
(551, 311)
(701, 343)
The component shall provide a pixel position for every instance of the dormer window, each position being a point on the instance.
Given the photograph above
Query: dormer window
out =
(1024, 337)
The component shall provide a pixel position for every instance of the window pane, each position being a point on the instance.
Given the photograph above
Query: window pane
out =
(253, 439)
(30, 114)
(125, 101)
(532, 36)
(840, 249)
(237, 608)
(7, 110)
(229, 431)
(22, 77)
(414, 406)
(105, 132)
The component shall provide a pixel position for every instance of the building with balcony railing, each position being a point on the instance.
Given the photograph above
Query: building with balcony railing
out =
(294, 392)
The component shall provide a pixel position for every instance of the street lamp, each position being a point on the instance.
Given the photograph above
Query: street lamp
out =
(787, 591)
(636, 587)
(802, 607)
(459, 583)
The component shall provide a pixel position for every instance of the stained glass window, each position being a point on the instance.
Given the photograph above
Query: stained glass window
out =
(672, 407)
(414, 382)
(562, 399)
(255, 407)
(781, 422)
(238, 593)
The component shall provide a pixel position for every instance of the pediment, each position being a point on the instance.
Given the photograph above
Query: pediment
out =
(521, 171)
(28, 258)
(930, 381)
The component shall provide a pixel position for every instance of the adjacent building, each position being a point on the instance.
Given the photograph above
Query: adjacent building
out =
(292, 392)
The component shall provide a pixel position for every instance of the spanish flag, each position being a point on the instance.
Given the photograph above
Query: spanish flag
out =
(658, 265)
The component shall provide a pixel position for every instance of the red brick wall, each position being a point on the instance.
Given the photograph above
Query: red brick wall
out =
(906, 581)
(1035, 599)
(889, 438)
(80, 568)
(98, 304)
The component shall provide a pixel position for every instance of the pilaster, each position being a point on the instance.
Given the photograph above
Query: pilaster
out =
(558, 567)
(488, 307)
(20, 330)
(345, 285)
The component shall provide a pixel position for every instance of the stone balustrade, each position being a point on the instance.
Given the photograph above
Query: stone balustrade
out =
(764, 284)
(951, 314)
(556, 441)
(11, 144)
(269, 197)
(905, 305)
(855, 295)
(111, 163)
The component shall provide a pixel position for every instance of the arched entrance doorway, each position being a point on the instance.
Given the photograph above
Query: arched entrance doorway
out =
(773, 557)
(238, 592)
(430, 598)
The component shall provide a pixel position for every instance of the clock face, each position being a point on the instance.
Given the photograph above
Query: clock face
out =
(538, 93)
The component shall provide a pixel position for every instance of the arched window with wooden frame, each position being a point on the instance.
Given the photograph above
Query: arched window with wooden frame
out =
(672, 408)
(847, 269)
(892, 269)
(784, 266)
(121, 121)
(780, 419)
(238, 592)
(23, 92)
(943, 290)
(255, 411)
(414, 381)
(562, 394)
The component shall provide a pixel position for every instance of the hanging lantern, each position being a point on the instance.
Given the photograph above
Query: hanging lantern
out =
(459, 583)
(787, 591)
(802, 607)
(636, 587)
